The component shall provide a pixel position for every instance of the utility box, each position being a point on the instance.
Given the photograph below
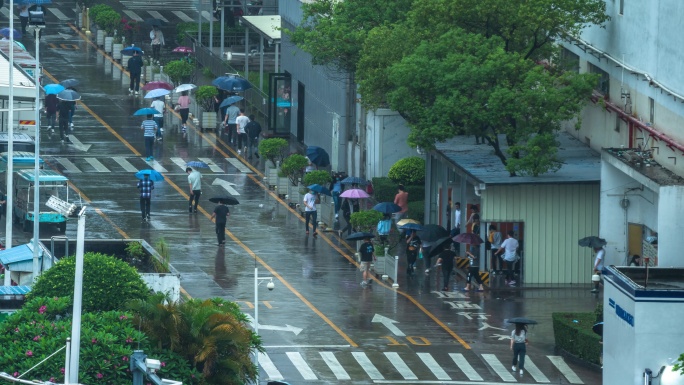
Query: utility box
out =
(642, 324)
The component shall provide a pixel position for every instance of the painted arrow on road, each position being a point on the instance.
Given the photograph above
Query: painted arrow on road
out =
(389, 324)
(226, 185)
(77, 143)
(286, 328)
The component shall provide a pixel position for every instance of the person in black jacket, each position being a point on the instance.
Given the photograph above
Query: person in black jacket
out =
(253, 129)
(135, 65)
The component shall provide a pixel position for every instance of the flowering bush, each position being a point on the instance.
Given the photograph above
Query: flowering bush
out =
(129, 29)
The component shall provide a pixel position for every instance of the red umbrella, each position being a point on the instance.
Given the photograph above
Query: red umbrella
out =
(183, 49)
(157, 84)
(468, 238)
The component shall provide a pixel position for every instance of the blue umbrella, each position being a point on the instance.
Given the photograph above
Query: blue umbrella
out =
(197, 164)
(230, 100)
(318, 156)
(129, 51)
(68, 95)
(231, 83)
(157, 93)
(53, 89)
(153, 175)
(320, 189)
(5, 32)
(387, 208)
(145, 111)
(354, 180)
(22, 2)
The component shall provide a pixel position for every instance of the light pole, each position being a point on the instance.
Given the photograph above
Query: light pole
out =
(270, 286)
(9, 217)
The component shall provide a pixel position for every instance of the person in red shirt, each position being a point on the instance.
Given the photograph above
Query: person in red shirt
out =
(401, 200)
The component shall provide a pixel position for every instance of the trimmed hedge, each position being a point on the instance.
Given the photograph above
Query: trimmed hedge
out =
(409, 170)
(320, 177)
(366, 220)
(416, 210)
(577, 338)
(384, 189)
(415, 192)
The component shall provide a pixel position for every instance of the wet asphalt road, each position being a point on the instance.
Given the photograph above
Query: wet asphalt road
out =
(318, 324)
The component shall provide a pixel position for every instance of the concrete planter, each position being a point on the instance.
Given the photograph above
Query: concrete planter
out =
(100, 37)
(208, 120)
(148, 73)
(80, 20)
(108, 43)
(116, 51)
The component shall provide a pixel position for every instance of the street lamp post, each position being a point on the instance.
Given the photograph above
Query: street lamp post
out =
(9, 217)
(270, 286)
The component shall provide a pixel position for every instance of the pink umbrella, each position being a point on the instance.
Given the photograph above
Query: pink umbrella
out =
(354, 193)
(157, 84)
(183, 50)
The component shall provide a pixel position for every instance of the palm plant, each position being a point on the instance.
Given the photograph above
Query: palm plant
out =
(161, 319)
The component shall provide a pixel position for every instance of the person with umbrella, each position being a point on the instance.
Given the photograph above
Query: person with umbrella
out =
(336, 191)
(413, 245)
(509, 248)
(159, 105)
(135, 64)
(446, 258)
(64, 109)
(146, 185)
(473, 272)
(519, 343)
(157, 38)
(195, 185)
(310, 211)
(51, 106)
(221, 214)
(367, 252)
(598, 266)
(384, 226)
(149, 128)
(183, 107)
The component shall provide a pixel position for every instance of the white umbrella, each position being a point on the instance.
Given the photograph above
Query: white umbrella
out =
(184, 87)
(156, 93)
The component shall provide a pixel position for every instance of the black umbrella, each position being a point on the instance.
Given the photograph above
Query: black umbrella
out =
(387, 208)
(468, 239)
(592, 241)
(598, 328)
(69, 83)
(439, 246)
(522, 320)
(155, 22)
(359, 236)
(354, 180)
(431, 233)
(227, 200)
(69, 95)
(318, 156)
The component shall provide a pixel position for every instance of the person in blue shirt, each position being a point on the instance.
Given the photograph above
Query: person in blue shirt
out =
(384, 227)
(336, 191)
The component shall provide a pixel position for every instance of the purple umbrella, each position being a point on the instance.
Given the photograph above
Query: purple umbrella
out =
(354, 193)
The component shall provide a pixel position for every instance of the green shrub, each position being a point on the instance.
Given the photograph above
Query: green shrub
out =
(317, 177)
(415, 192)
(384, 189)
(206, 71)
(108, 283)
(366, 220)
(97, 9)
(108, 20)
(179, 71)
(409, 170)
(273, 149)
(416, 210)
(573, 333)
(205, 97)
(293, 167)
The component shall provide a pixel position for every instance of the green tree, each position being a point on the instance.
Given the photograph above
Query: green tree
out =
(293, 167)
(320, 177)
(366, 220)
(179, 71)
(273, 149)
(409, 170)
(205, 97)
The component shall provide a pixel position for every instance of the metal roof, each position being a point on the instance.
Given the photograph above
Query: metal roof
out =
(24, 87)
(23, 157)
(267, 26)
(581, 164)
(16, 254)
(43, 176)
(14, 290)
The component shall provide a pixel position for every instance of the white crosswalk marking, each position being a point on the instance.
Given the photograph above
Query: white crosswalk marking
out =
(212, 166)
(534, 371)
(434, 367)
(125, 164)
(335, 366)
(559, 363)
(465, 367)
(301, 365)
(157, 15)
(180, 163)
(168, 4)
(70, 167)
(400, 365)
(183, 16)
(59, 14)
(132, 15)
(99, 167)
(239, 165)
(367, 366)
(208, 16)
(498, 367)
(268, 367)
(156, 166)
(6, 13)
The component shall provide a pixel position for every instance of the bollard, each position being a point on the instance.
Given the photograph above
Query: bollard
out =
(395, 285)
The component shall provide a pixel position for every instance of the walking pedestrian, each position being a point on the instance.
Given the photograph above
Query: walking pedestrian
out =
(413, 245)
(401, 200)
(23, 17)
(241, 122)
(384, 226)
(195, 185)
(349, 206)
(157, 38)
(519, 347)
(495, 240)
(51, 106)
(159, 105)
(425, 248)
(457, 226)
(510, 248)
(446, 259)
(149, 127)
(598, 266)
(63, 111)
(310, 211)
(135, 64)
(72, 111)
(336, 191)
(229, 121)
(473, 272)
(253, 131)
(221, 214)
(367, 252)
(146, 185)
(184, 109)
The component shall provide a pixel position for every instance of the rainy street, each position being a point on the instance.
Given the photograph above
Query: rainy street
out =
(319, 325)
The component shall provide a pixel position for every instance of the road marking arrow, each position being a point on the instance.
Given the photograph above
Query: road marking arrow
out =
(226, 185)
(286, 328)
(389, 324)
(77, 143)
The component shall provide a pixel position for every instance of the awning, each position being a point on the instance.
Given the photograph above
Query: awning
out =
(18, 258)
(266, 26)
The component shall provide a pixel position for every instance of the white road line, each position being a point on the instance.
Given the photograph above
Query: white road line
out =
(400, 365)
(70, 167)
(125, 164)
(181, 15)
(270, 369)
(434, 367)
(180, 162)
(212, 166)
(157, 15)
(301, 365)
(99, 167)
(499, 368)
(367, 366)
(156, 166)
(59, 14)
(208, 16)
(335, 366)
(465, 367)
(132, 15)
(565, 370)
(534, 371)
(239, 165)
(306, 346)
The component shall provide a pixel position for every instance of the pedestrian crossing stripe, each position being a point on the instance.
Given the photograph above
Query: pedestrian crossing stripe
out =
(78, 165)
(406, 371)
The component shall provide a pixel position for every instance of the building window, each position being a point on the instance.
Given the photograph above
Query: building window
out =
(603, 85)
(617, 123)
(651, 110)
(569, 60)
(622, 7)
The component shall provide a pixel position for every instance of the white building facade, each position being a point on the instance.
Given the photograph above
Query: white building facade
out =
(636, 117)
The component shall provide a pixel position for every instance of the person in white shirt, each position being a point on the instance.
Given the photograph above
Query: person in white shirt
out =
(457, 226)
(195, 184)
(310, 211)
(241, 123)
(509, 247)
(598, 266)
(159, 105)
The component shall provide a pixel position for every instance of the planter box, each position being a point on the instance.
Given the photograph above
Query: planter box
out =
(208, 120)
(100, 37)
(116, 51)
